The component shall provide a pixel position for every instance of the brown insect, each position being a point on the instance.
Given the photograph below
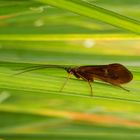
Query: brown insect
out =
(115, 74)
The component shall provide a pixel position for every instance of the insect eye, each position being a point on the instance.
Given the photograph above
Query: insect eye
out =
(69, 71)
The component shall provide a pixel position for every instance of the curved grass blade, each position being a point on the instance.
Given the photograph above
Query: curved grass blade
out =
(96, 12)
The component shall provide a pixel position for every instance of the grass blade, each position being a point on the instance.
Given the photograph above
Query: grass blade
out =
(95, 12)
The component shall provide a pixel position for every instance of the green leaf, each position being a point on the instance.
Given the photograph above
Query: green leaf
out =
(31, 106)
(93, 11)
(61, 37)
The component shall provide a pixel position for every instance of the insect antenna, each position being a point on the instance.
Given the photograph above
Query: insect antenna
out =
(33, 68)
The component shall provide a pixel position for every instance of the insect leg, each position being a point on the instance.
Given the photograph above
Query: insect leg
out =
(89, 83)
(90, 87)
(120, 87)
(65, 82)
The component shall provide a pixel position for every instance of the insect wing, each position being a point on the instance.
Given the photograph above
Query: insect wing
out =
(94, 70)
(112, 73)
(119, 73)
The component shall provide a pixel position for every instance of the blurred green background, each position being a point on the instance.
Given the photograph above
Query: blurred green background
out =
(31, 106)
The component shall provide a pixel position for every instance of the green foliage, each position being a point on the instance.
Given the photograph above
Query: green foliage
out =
(32, 33)
(93, 11)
